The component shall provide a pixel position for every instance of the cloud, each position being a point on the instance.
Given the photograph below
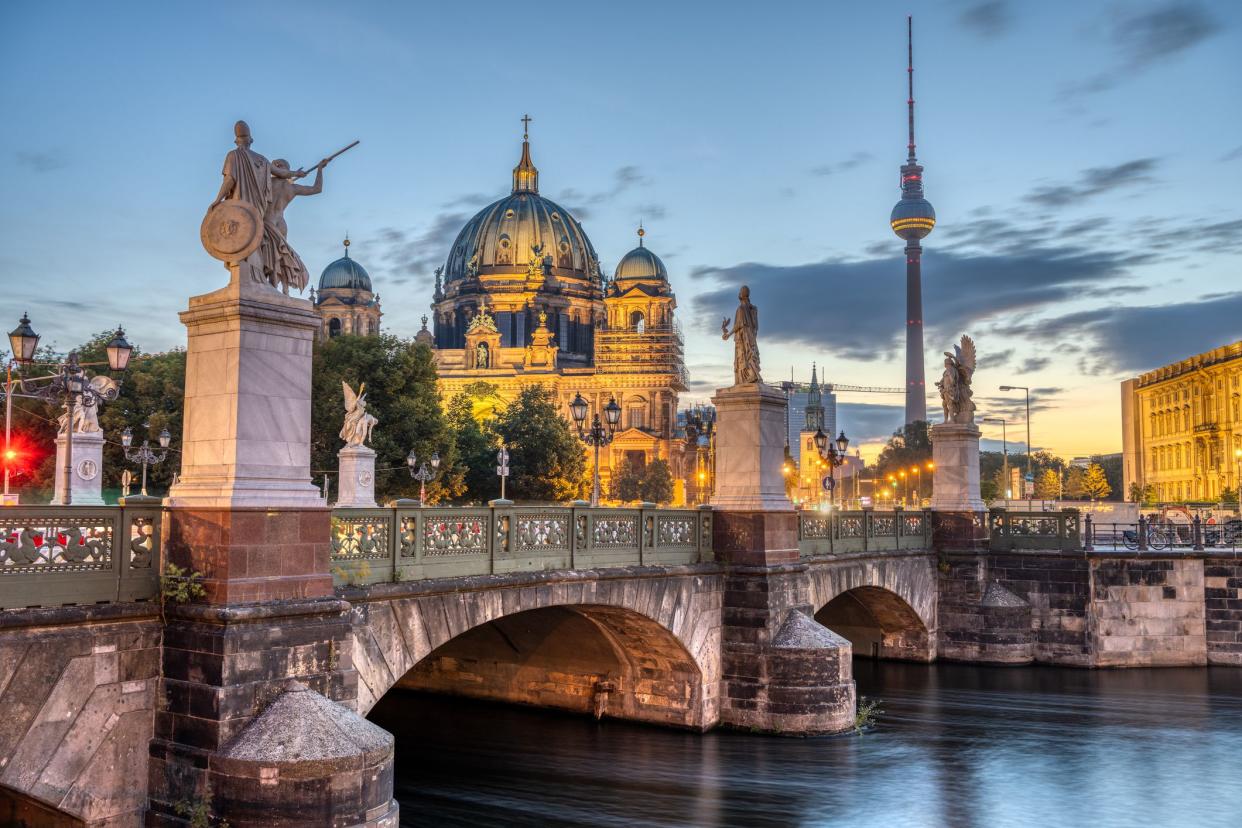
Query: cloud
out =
(988, 19)
(41, 162)
(855, 160)
(995, 359)
(869, 422)
(855, 308)
(624, 179)
(1146, 38)
(1140, 338)
(1095, 181)
(1233, 154)
(1032, 364)
(413, 257)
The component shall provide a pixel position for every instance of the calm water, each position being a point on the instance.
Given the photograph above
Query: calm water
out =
(956, 746)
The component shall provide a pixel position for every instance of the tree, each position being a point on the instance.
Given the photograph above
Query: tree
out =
(1229, 496)
(546, 459)
(1075, 483)
(1095, 482)
(909, 447)
(477, 447)
(1142, 494)
(626, 484)
(657, 485)
(400, 376)
(1048, 485)
(1111, 466)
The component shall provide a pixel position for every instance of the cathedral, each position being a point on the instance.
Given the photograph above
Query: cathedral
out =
(523, 300)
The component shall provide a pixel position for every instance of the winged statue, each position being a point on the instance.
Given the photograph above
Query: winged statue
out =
(86, 405)
(358, 423)
(955, 394)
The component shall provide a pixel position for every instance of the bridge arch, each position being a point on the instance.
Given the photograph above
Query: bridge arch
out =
(644, 649)
(885, 607)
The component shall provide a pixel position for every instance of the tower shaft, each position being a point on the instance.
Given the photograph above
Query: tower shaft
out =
(916, 380)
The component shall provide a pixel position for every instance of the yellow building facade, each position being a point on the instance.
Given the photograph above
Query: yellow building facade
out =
(522, 300)
(1182, 427)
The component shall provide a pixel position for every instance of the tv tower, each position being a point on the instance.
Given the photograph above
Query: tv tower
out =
(912, 219)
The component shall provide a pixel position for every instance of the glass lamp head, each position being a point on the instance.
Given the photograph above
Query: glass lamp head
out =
(23, 341)
(843, 442)
(127, 437)
(119, 351)
(612, 413)
(578, 409)
(165, 438)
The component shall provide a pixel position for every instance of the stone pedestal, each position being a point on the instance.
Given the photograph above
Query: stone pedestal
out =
(783, 672)
(246, 439)
(356, 478)
(86, 481)
(960, 521)
(750, 449)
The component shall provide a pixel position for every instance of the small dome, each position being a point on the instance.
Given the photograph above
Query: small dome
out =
(345, 274)
(913, 218)
(640, 263)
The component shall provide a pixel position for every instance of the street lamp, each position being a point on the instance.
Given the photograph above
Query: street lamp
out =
(423, 474)
(68, 384)
(833, 454)
(502, 468)
(144, 454)
(1005, 446)
(1029, 450)
(597, 435)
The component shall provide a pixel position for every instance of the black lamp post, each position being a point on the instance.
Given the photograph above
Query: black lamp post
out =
(833, 453)
(66, 384)
(597, 435)
(144, 454)
(423, 474)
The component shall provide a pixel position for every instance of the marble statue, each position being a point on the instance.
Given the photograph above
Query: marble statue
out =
(86, 406)
(356, 430)
(282, 266)
(745, 345)
(955, 394)
(480, 356)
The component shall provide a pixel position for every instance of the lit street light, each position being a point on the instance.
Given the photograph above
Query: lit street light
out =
(833, 454)
(67, 385)
(144, 454)
(597, 435)
(1030, 473)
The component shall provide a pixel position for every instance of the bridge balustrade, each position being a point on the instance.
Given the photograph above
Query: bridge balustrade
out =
(844, 532)
(1009, 530)
(60, 555)
(405, 544)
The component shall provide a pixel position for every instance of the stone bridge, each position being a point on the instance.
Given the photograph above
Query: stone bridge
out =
(121, 710)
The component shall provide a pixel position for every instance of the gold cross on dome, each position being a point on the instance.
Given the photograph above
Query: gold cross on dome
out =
(526, 119)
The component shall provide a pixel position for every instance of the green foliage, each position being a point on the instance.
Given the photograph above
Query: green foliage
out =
(1227, 496)
(1095, 482)
(1142, 494)
(400, 376)
(181, 585)
(652, 482)
(909, 447)
(1075, 483)
(477, 446)
(355, 576)
(626, 482)
(546, 458)
(868, 713)
(197, 813)
(989, 490)
(1111, 467)
(1048, 484)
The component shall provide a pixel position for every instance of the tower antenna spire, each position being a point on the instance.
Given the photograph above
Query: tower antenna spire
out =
(910, 80)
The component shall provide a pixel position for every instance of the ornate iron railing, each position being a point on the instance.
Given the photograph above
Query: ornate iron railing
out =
(404, 544)
(1034, 530)
(842, 532)
(57, 555)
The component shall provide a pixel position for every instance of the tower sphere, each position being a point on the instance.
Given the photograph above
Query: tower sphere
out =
(913, 218)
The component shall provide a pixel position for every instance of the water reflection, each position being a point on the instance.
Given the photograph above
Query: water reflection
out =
(956, 746)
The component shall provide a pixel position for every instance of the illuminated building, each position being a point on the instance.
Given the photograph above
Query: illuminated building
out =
(1182, 427)
(912, 219)
(522, 300)
(345, 301)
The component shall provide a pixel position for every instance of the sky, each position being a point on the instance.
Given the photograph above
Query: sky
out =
(1084, 160)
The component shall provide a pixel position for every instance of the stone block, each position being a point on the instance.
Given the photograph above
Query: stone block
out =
(750, 449)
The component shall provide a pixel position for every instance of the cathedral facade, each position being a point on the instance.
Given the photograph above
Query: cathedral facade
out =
(522, 300)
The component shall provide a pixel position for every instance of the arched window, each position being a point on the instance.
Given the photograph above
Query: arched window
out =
(638, 322)
(334, 327)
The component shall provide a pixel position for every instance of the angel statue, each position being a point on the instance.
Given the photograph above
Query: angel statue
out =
(86, 405)
(358, 423)
(955, 393)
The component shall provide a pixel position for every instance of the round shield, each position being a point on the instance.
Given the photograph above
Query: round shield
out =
(232, 230)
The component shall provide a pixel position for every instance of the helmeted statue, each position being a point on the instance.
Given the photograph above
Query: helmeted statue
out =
(745, 345)
(356, 430)
(282, 266)
(955, 394)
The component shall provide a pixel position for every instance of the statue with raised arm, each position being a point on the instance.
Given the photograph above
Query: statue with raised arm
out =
(955, 395)
(281, 265)
(745, 345)
(356, 430)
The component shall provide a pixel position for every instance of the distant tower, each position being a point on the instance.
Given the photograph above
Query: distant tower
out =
(912, 219)
(814, 405)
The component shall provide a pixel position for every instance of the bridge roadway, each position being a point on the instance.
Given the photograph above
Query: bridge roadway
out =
(120, 712)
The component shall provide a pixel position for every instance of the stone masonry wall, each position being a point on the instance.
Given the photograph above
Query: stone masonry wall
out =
(1147, 613)
(77, 691)
(1222, 593)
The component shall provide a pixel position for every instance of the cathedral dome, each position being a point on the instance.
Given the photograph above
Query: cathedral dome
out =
(640, 263)
(345, 274)
(506, 235)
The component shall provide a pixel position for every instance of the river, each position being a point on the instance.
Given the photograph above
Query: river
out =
(956, 745)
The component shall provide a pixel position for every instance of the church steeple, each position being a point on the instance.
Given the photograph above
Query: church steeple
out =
(814, 404)
(525, 174)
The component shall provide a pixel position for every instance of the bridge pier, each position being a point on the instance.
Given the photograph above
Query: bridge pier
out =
(782, 672)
